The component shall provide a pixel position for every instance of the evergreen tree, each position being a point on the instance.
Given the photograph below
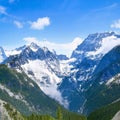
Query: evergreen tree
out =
(59, 114)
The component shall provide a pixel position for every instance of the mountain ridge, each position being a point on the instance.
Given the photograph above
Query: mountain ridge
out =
(70, 80)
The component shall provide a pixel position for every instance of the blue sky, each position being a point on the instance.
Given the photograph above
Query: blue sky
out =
(55, 21)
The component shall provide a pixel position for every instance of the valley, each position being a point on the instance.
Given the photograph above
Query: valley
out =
(35, 81)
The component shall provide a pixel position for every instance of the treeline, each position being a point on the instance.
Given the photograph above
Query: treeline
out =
(60, 115)
(38, 117)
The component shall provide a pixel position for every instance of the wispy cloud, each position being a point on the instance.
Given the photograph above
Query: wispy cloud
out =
(18, 24)
(65, 48)
(111, 6)
(116, 24)
(3, 10)
(41, 23)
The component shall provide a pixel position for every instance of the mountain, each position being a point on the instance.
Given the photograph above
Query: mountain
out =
(15, 51)
(42, 66)
(24, 94)
(105, 81)
(8, 112)
(2, 55)
(62, 57)
(21, 98)
(90, 52)
(109, 112)
(90, 76)
(88, 56)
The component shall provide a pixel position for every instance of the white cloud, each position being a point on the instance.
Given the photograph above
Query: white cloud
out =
(40, 23)
(18, 24)
(65, 48)
(29, 40)
(116, 24)
(3, 10)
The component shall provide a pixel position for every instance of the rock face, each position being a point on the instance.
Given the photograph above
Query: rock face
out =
(62, 57)
(117, 116)
(3, 112)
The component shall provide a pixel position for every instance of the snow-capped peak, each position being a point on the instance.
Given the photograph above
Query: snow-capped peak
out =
(107, 44)
(98, 43)
(34, 46)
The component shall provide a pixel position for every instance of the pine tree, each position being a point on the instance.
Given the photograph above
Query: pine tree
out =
(59, 114)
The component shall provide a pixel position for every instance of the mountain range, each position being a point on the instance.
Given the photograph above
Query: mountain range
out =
(40, 80)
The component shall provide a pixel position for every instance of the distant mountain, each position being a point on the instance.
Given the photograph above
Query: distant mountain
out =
(96, 44)
(2, 55)
(62, 57)
(42, 66)
(105, 81)
(88, 58)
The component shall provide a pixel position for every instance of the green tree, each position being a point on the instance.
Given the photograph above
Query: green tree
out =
(59, 114)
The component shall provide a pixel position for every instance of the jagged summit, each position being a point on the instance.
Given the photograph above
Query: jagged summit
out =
(96, 42)
(100, 35)
(34, 46)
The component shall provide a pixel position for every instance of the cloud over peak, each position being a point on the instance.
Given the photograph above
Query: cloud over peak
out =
(41, 23)
(116, 24)
(65, 48)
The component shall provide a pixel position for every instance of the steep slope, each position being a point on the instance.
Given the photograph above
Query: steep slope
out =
(2, 55)
(87, 57)
(15, 51)
(3, 112)
(42, 66)
(8, 112)
(23, 93)
(117, 116)
(109, 112)
(105, 85)
(90, 52)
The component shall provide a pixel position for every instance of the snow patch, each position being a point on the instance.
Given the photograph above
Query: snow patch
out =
(12, 52)
(107, 44)
(115, 79)
(65, 66)
(11, 94)
(38, 70)
(46, 79)
(31, 84)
